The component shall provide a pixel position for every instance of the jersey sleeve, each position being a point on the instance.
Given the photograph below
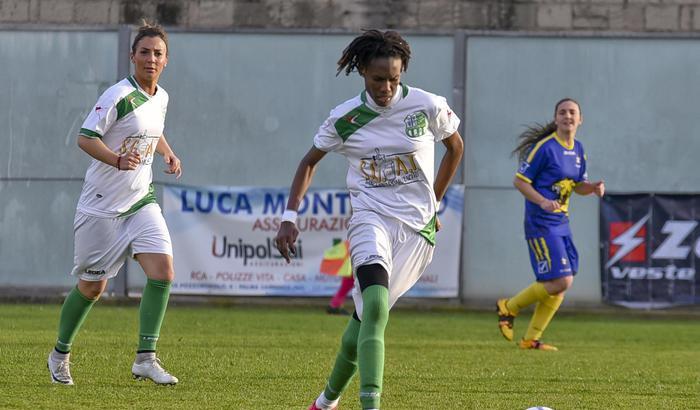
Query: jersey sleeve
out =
(327, 138)
(445, 122)
(102, 116)
(583, 175)
(531, 166)
(166, 100)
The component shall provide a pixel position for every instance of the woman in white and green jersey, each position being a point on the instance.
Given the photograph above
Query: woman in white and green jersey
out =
(117, 214)
(387, 133)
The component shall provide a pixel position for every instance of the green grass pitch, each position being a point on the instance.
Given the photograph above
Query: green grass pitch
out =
(278, 357)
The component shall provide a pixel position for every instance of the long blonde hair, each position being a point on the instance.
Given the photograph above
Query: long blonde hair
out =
(534, 133)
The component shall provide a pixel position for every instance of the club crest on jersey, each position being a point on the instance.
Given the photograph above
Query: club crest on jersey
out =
(416, 123)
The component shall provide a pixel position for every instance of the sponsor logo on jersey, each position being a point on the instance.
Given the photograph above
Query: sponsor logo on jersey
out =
(144, 144)
(381, 170)
(416, 124)
(542, 267)
(563, 189)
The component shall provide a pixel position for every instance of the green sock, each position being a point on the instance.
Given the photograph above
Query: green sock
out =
(151, 312)
(345, 362)
(73, 313)
(370, 344)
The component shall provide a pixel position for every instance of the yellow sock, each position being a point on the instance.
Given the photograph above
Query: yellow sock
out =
(526, 297)
(544, 312)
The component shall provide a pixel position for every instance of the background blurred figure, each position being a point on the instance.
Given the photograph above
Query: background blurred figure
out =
(336, 261)
(336, 305)
(553, 166)
(117, 213)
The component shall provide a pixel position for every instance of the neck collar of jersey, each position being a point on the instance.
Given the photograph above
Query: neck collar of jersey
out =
(563, 143)
(135, 83)
(400, 93)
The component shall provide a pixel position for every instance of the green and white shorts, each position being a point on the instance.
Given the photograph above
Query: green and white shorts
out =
(376, 239)
(102, 244)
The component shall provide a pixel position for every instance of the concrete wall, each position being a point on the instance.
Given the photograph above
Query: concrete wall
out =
(637, 98)
(244, 107)
(532, 15)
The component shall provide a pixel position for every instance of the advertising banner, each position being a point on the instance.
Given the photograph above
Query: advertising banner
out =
(223, 242)
(649, 250)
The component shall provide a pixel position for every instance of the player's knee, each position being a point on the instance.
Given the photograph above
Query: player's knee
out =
(165, 273)
(169, 274)
(560, 285)
(91, 290)
(375, 311)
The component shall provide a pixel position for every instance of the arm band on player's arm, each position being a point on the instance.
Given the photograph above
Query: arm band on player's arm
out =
(289, 216)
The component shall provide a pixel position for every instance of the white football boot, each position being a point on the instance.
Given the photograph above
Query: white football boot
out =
(60, 369)
(152, 369)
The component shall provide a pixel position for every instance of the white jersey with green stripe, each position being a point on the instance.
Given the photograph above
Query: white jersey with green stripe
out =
(391, 152)
(126, 118)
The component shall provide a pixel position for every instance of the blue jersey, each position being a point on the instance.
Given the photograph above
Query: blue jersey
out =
(553, 169)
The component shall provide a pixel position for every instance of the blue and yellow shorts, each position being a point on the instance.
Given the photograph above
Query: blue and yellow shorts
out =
(552, 256)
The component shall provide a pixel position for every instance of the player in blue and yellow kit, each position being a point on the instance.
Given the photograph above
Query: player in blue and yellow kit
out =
(552, 167)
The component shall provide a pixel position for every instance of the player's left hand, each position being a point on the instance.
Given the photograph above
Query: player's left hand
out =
(599, 188)
(174, 165)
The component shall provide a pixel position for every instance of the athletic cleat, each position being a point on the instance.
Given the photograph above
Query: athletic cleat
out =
(60, 370)
(505, 319)
(152, 370)
(536, 345)
(313, 407)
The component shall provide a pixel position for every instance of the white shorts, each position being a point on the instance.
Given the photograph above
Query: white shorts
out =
(404, 253)
(102, 244)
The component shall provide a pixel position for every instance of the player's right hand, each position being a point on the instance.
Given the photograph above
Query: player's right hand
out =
(550, 205)
(130, 161)
(284, 241)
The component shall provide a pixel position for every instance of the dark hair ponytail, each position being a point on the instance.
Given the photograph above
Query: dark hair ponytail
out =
(534, 133)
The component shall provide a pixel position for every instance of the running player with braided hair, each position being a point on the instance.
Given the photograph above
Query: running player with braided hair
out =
(388, 135)
(552, 167)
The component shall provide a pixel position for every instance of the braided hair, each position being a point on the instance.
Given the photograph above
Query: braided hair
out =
(534, 133)
(372, 44)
